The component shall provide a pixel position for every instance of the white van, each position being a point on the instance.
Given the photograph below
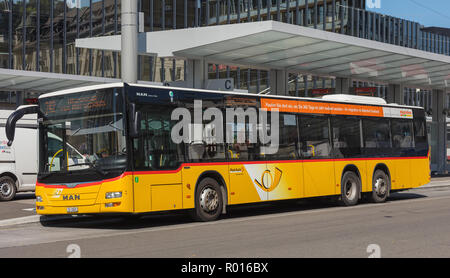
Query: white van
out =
(18, 163)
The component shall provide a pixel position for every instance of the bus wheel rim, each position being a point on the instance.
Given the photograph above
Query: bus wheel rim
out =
(209, 200)
(380, 187)
(350, 190)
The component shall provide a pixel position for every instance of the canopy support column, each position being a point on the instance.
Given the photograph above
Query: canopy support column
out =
(395, 94)
(196, 73)
(438, 132)
(279, 80)
(342, 85)
(129, 41)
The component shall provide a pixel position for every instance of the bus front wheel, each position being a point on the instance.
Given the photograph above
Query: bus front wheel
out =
(350, 189)
(208, 200)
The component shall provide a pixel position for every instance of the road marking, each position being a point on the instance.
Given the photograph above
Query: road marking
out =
(29, 209)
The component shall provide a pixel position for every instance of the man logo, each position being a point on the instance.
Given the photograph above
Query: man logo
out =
(71, 197)
(373, 4)
(268, 183)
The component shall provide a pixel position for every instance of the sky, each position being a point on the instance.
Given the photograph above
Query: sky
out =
(425, 12)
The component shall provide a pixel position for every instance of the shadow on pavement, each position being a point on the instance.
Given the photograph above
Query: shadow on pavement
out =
(24, 196)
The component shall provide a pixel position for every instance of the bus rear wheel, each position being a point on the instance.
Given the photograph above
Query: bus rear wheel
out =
(380, 187)
(7, 188)
(208, 200)
(350, 189)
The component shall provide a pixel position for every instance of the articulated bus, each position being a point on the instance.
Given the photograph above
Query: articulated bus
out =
(142, 149)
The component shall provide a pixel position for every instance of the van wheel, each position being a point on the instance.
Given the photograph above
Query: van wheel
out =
(208, 200)
(7, 188)
(380, 187)
(350, 189)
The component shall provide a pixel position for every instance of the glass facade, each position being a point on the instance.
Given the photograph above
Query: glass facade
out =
(39, 35)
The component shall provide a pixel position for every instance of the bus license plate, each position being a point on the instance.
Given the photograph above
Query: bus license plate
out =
(72, 210)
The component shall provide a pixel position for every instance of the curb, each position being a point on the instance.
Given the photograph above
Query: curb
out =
(32, 219)
(432, 186)
(20, 220)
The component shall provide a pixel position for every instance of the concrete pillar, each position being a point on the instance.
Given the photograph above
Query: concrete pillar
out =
(438, 132)
(196, 73)
(129, 29)
(342, 85)
(279, 82)
(395, 94)
(19, 99)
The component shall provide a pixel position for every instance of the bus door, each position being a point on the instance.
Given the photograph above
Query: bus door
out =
(347, 143)
(403, 146)
(157, 177)
(315, 148)
(246, 158)
(246, 168)
(272, 171)
(282, 178)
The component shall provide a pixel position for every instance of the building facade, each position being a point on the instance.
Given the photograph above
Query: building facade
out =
(39, 35)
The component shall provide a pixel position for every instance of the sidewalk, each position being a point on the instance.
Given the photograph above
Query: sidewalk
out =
(437, 182)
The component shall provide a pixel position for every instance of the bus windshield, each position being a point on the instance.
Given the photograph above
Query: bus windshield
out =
(83, 132)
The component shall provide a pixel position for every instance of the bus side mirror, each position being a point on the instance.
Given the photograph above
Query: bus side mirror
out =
(10, 128)
(134, 121)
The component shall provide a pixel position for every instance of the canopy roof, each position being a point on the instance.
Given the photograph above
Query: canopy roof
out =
(277, 45)
(21, 80)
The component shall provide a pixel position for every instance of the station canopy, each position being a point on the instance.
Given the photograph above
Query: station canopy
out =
(44, 82)
(296, 49)
(41, 82)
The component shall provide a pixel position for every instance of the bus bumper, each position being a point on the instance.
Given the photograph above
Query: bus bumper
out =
(113, 196)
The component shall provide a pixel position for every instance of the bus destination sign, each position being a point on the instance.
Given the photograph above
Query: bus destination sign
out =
(76, 103)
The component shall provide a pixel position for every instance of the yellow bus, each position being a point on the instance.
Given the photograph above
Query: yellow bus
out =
(123, 157)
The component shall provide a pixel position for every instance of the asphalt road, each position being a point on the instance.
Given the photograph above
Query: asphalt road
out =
(415, 223)
(23, 205)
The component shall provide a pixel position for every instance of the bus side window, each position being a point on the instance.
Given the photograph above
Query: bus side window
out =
(314, 137)
(402, 135)
(346, 136)
(243, 150)
(421, 136)
(288, 138)
(154, 148)
(376, 133)
(206, 139)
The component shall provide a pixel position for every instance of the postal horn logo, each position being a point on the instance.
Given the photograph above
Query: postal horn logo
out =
(269, 182)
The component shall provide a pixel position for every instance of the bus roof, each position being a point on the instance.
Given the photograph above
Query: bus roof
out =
(81, 89)
(338, 98)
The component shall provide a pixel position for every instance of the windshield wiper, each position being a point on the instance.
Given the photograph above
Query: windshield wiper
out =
(93, 166)
(96, 168)
(113, 126)
(76, 131)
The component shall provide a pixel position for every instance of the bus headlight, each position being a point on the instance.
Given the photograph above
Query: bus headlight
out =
(113, 195)
(38, 199)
